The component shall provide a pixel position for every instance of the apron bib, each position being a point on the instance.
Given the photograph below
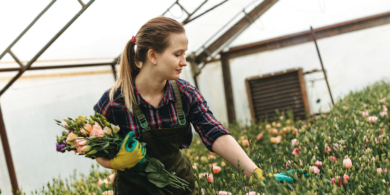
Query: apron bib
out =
(163, 144)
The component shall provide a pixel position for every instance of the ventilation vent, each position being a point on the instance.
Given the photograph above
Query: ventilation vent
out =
(280, 91)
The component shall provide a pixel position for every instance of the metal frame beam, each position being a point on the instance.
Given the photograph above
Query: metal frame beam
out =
(306, 36)
(235, 30)
(189, 15)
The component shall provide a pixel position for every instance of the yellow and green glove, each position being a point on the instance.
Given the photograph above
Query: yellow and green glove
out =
(281, 177)
(131, 154)
(256, 176)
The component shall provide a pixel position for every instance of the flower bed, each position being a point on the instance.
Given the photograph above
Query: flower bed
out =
(345, 152)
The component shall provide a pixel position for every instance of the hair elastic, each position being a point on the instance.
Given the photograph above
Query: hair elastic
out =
(133, 39)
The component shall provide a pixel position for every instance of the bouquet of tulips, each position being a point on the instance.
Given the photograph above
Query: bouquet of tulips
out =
(96, 137)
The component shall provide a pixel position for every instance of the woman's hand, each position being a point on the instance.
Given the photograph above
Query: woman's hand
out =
(131, 154)
(104, 162)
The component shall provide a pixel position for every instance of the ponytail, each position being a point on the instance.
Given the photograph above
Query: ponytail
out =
(125, 80)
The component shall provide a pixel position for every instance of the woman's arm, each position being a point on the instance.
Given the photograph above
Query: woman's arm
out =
(104, 162)
(228, 148)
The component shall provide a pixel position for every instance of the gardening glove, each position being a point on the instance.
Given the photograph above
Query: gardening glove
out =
(256, 176)
(131, 154)
(282, 177)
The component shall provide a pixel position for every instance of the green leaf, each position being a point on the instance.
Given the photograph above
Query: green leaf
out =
(105, 146)
(159, 179)
(154, 166)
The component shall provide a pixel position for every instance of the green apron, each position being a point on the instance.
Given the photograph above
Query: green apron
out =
(163, 144)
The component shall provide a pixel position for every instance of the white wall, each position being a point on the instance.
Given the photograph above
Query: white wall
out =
(353, 61)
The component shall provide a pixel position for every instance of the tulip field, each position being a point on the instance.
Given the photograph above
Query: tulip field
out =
(346, 151)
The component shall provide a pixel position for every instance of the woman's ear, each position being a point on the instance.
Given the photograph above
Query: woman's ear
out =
(152, 55)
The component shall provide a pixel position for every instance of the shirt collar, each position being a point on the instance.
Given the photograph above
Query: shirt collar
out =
(169, 95)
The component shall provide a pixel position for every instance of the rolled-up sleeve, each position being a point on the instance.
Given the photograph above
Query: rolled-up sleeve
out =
(203, 120)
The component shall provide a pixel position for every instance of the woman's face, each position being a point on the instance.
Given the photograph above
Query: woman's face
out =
(171, 62)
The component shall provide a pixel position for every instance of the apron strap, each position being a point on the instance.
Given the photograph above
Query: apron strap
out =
(178, 105)
(141, 117)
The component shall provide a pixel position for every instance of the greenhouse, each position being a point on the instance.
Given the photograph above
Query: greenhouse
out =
(297, 92)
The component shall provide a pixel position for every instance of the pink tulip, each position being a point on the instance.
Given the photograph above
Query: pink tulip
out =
(295, 151)
(341, 180)
(276, 140)
(386, 169)
(295, 131)
(112, 177)
(245, 142)
(315, 169)
(318, 164)
(216, 169)
(327, 149)
(80, 141)
(382, 100)
(348, 163)
(259, 136)
(364, 113)
(383, 114)
(274, 131)
(384, 108)
(333, 158)
(79, 150)
(373, 158)
(96, 130)
(294, 141)
(209, 178)
(381, 137)
(100, 182)
(223, 193)
(252, 193)
(372, 119)
(379, 170)
(63, 124)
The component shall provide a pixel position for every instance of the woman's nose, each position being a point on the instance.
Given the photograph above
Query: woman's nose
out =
(183, 62)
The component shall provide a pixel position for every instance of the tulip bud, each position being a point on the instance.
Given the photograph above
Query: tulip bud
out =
(59, 140)
(74, 147)
(91, 122)
(86, 148)
(92, 152)
(196, 185)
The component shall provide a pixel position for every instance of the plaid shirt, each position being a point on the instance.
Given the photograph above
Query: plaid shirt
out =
(164, 116)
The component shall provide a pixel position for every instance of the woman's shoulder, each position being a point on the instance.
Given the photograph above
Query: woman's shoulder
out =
(184, 85)
(116, 101)
(190, 91)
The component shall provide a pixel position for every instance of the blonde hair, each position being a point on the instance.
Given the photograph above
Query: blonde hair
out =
(155, 35)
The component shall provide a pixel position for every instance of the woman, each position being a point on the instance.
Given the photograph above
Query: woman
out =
(150, 101)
